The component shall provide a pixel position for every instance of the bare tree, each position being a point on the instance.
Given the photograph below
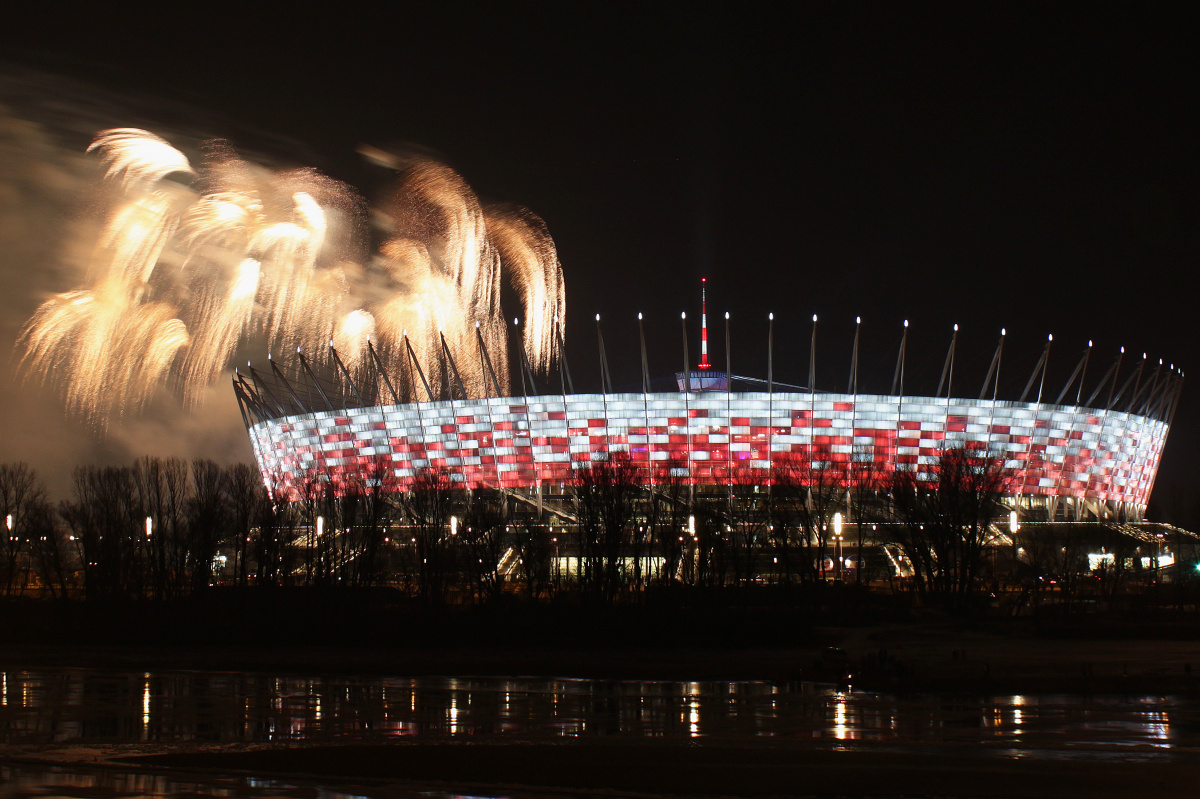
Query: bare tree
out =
(21, 500)
(944, 520)
(483, 533)
(807, 490)
(535, 551)
(711, 544)
(163, 499)
(363, 520)
(208, 520)
(867, 477)
(274, 550)
(51, 551)
(605, 497)
(748, 519)
(247, 497)
(666, 515)
(427, 508)
(106, 525)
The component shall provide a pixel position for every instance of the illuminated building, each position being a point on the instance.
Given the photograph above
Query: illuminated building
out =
(1069, 461)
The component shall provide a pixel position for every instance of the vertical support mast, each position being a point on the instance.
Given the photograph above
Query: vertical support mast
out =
(387, 381)
(948, 367)
(898, 382)
(728, 358)
(687, 374)
(994, 370)
(645, 366)
(852, 386)
(605, 376)
(704, 364)
(770, 352)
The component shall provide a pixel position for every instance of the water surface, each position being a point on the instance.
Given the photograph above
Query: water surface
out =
(53, 709)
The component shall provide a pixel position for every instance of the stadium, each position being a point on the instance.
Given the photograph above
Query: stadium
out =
(729, 473)
(1064, 461)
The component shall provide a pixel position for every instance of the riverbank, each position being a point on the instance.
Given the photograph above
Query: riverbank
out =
(909, 657)
(664, 768)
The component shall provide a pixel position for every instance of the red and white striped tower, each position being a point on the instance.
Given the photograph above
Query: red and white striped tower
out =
(704, 364)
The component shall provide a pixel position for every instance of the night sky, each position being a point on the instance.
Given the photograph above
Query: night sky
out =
(1023, 166)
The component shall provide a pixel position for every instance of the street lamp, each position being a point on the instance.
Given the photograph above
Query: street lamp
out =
(837, 539)
(1013, 526)
(557, 562)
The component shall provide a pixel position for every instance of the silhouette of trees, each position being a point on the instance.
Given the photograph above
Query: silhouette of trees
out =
(944, 520)
(274, 548)
(161, 499)
(50, 549)
(868, 481)
(483, 535)
(666, 516)
(806, 492)
(427, 506)
(605, 495)
(247, 498)
(208, 521)
(534, 554)
(362, 520)
(163, 529)
(106, 522)
(23, 514)
(748, 516)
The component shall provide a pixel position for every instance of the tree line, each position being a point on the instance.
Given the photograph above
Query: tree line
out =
(163, 529)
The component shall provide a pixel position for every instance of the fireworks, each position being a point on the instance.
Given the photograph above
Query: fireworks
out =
(193, 262)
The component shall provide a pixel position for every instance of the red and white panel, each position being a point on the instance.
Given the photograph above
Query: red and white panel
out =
(1052, 450)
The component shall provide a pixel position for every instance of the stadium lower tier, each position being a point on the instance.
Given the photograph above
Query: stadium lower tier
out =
(1051, 450)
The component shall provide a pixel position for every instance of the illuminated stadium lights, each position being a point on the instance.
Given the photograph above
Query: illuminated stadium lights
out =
(1094, 458)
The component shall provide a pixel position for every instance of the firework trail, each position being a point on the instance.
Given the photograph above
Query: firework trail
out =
(524, 243)
(441, 251)
(191, 263)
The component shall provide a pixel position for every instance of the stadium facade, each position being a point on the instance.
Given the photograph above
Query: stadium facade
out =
(1070, 461)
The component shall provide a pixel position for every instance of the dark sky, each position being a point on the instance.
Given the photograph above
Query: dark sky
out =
(1022, 166)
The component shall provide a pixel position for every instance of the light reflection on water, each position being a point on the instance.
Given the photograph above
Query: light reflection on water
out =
(68, 706)
(65, 707)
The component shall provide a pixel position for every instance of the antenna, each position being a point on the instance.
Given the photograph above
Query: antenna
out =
(704, 364)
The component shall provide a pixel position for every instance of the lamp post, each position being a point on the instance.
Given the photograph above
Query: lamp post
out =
(557, 564)
(1013, 526)
(837, 540)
